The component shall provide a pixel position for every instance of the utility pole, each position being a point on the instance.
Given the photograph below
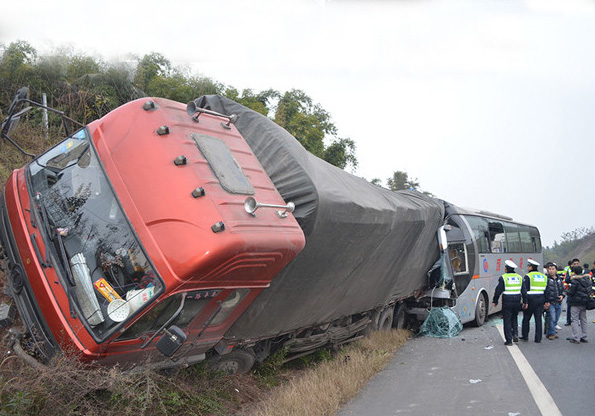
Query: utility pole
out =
(44, 101)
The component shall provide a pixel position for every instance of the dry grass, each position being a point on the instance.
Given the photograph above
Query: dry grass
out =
(30, 138)
(322, 390)
(68, 388)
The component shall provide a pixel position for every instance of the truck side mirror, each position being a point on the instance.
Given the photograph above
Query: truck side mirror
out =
(171, 341)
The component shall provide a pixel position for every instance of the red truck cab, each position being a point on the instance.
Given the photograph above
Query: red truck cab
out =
(136, 239)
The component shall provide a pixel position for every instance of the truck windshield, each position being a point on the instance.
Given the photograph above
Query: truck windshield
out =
(104, 269)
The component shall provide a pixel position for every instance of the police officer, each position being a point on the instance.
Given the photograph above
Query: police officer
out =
(509, 286)
(532, 291)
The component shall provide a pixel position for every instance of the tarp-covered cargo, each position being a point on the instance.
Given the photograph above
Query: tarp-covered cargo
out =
(365, 245)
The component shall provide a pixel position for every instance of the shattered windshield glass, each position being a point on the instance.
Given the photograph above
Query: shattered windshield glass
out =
(106, 272)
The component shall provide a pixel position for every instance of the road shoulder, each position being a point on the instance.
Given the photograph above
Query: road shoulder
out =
(471, 374)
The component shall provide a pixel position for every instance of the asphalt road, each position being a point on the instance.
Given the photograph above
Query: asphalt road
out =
(476, 374)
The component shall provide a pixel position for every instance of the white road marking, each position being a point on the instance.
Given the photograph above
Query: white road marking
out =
(542, 397)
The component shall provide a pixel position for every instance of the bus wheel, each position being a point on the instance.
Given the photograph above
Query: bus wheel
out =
(400, 316)
(385, 322)
(237, 361)
(481, 310)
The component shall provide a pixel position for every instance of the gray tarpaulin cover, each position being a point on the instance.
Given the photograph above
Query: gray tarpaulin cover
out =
(365, 244)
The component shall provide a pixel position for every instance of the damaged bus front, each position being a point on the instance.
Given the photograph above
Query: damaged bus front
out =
(474, 245)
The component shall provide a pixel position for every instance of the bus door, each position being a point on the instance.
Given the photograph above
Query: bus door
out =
(458, 256)
(461, 259)
(499, 247)
(459, 264)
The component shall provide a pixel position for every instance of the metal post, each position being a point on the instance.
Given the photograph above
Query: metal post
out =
(44, 99)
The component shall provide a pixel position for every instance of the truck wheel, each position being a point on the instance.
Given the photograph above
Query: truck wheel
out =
(400, 316)
(481, 310)
(385, 322)
(237, 361)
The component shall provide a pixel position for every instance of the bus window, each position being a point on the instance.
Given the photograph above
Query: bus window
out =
(497, 237)
(481, 234)
(513, 241)
(458, 258)
(527, 244)
(535, 240)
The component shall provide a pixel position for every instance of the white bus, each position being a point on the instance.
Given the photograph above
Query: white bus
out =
(476, 245)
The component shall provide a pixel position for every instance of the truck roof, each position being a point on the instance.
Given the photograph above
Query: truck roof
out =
(183, 183)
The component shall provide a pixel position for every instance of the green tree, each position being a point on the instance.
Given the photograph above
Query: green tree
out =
(93, 95)
(16, 69)
(151, 66)
(306, 121)
(400, 181)
(49, 77)
(310, 124)
(576, 243)
(200, 85)
(80, 65)
(178, 86)
(86, 88)
(577, 234)
(341, 153)
(259, 102)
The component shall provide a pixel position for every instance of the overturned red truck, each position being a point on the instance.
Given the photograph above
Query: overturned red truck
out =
(164, 234)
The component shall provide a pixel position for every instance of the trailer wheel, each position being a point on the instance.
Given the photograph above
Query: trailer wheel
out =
(385, 322)
(400, 316)
(237, 361)
(481, 310)
(18, 281)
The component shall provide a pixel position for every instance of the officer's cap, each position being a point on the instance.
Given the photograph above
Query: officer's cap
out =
(532, 262)
(511, 264)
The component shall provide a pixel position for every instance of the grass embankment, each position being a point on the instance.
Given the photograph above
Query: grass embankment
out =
(307, 387)
(326, 387)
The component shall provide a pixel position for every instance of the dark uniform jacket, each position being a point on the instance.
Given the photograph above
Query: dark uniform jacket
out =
(580, 290)
(554, 289)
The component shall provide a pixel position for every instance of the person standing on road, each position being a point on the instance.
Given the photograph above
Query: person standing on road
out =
(509, 286)
(593, 274)
(532, 291)
(567, 278)
(554, 293)
(579, 293)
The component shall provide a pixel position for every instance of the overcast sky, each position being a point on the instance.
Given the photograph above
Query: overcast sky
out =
(489, 104)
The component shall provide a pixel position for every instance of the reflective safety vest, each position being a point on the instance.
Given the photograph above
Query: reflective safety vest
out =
(538, 283)
(512, 283)
(567, 285)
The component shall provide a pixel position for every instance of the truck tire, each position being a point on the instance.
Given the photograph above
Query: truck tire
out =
(400, 316)
(481, 310)
(238, 361)
(385, 322)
